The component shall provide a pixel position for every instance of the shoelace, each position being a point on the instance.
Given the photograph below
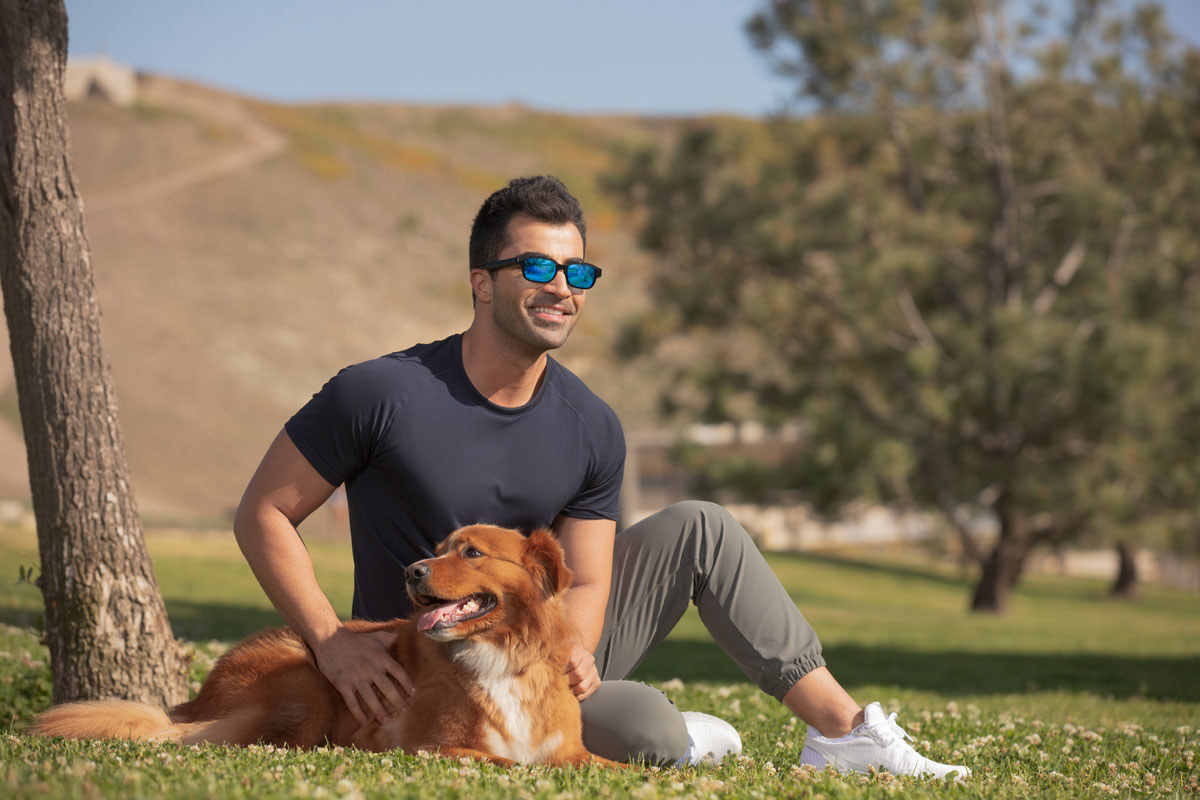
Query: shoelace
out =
(909, 761)
(895, 726)
(886, 731)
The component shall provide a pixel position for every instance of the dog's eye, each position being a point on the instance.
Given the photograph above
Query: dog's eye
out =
(471, 552)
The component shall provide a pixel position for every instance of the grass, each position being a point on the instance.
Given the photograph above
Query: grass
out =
(1069, 695)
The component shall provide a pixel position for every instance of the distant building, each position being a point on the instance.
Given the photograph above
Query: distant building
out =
(102, 78)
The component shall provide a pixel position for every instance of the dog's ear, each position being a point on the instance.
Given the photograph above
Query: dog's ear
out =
(543, 555)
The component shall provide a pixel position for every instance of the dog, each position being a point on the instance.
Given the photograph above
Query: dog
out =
(486, 647)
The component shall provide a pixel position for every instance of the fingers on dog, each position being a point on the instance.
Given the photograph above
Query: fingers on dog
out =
(585, 689)
(393, 667)
(585, 685)
(581, 669)
(383, 695)
(578, 674)
(369, 696)
(390, 693)
(350, 698)
(373, 683)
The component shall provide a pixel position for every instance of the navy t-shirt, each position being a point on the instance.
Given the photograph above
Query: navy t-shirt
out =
(423, 453)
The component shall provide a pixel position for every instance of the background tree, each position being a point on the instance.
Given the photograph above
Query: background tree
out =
(972, 277)
(106, 625)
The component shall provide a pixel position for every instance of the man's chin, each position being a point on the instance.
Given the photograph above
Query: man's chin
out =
(552, 344)
(551, 336)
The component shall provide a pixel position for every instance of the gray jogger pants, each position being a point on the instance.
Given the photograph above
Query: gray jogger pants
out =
(690, 552)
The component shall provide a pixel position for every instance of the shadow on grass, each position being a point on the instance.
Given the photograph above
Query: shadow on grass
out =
(929, 574)
(202, 621)
(194, 621)
(22, 617)
(948, 574)
(958, 672)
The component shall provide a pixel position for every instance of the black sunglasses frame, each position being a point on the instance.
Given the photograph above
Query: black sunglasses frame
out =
(517, 261)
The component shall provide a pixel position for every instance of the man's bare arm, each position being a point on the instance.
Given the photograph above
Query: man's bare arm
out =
(285, 489)
(588, 546)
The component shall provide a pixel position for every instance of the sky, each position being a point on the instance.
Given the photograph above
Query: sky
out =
(666, 57)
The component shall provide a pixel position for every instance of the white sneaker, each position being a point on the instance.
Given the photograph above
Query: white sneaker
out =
(709, 739)
(879, 743)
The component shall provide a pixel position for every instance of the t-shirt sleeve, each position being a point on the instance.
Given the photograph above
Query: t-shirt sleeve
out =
(600, 496)
(340, 427)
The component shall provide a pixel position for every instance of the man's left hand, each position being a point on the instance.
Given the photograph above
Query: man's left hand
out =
(581, 672)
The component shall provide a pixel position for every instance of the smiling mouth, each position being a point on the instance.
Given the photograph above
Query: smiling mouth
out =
(448, 613)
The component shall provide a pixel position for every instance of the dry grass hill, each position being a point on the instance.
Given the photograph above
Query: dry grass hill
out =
(246, 251)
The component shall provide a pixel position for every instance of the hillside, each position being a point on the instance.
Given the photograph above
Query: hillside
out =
(246, 251)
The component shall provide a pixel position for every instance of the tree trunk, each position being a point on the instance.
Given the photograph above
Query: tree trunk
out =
(995, 584)
(1126, 584)
(1003, 565)
(106, 625)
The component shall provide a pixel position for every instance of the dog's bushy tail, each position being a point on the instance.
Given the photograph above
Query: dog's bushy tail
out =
(107, 719)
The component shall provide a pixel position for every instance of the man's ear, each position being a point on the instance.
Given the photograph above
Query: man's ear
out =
(481, 285)
(543, 556)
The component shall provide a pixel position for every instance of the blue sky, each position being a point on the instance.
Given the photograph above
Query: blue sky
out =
(642, 56)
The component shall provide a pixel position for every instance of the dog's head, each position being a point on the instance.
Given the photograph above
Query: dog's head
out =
(484, 577)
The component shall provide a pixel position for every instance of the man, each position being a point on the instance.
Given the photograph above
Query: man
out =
(485, 427)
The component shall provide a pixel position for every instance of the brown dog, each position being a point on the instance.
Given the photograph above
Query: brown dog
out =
(486, 648)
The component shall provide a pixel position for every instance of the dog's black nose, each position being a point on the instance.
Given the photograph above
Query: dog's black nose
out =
(416, 573)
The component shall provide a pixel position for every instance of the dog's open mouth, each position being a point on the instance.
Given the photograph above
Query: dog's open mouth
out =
(447, 614)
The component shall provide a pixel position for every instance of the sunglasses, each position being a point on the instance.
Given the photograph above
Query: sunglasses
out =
(542, 269)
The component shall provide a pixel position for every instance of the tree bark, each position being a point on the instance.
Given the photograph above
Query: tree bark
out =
(1126, 584)
(106, 625)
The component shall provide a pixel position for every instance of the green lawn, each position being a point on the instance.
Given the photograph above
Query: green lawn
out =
(1069, 695)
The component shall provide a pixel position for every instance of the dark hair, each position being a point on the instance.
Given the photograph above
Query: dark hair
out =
(542, 197)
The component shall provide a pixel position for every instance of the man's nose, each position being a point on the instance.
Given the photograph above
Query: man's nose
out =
(558, 284)
(417, 573)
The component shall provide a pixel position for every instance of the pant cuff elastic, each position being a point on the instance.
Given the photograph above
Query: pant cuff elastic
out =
(787, 679)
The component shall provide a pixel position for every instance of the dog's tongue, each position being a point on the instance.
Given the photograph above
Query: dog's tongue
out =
(450, 611)
(431, 618)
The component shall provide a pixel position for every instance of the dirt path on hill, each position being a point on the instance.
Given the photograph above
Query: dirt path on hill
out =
(262, 142)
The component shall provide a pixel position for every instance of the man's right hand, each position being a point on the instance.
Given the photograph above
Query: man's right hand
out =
(361, 668)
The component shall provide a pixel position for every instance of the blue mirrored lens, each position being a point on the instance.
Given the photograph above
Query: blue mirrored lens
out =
(581, 276)
(540, 270)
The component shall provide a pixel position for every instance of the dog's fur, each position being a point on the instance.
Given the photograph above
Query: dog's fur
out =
(490, 681)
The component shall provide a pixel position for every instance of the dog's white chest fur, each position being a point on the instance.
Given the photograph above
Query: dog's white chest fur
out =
(494, 673)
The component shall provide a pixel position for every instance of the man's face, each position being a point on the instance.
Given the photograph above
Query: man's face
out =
(537, 315)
